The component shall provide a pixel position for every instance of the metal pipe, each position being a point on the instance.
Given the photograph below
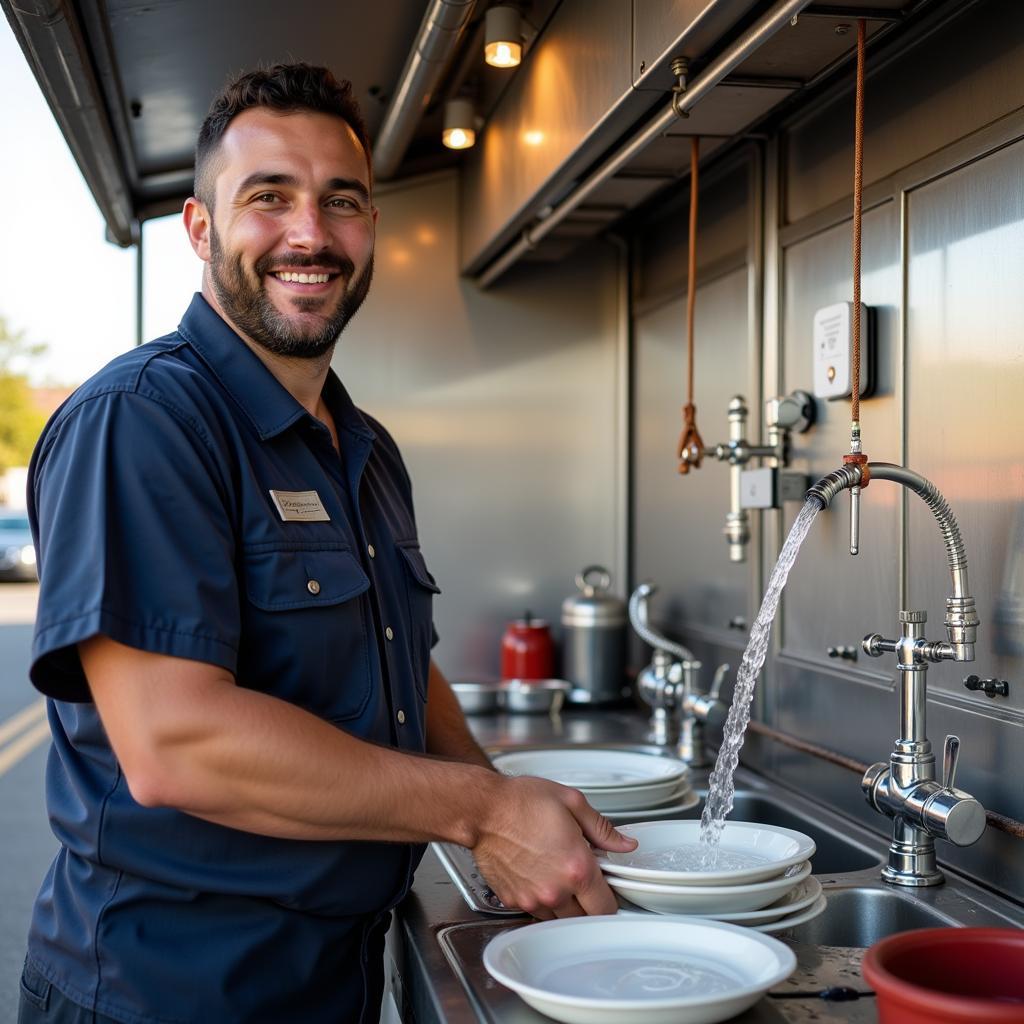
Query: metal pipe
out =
(751, 40)
(435, 43)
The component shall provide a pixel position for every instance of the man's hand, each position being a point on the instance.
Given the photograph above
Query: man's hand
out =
(533, 850)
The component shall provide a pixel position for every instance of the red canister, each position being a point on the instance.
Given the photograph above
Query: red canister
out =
(526, 650)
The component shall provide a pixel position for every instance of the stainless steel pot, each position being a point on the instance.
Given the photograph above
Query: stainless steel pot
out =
(594, 640)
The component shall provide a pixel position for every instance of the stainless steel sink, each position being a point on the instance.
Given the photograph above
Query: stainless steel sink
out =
(861, 916)
(836, 853)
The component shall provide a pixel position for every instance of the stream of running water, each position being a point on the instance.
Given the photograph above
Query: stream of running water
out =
(721, 789)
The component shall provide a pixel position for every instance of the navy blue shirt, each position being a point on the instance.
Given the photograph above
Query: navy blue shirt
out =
(150, 500)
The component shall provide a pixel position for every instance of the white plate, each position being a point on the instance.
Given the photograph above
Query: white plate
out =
(749, 852)
(688, 802)
(707, 900)
(794, 902)
(591, 768)
(640, 799)
(622, 970)
(809, 914)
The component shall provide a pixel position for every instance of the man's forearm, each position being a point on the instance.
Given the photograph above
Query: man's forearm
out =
(188, 737)
(448, 734)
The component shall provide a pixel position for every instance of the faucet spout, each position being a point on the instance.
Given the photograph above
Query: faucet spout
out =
(961, 619)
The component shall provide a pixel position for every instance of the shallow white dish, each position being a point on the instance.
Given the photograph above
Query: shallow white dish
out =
(640, 799)
(749, 852)
(622, 970)
(707, 900)
(792, 920)
(798, 899)
(592, 768)
(686, 803)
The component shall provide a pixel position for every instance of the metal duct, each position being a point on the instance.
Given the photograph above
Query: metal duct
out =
(756, 36)
(438, 35)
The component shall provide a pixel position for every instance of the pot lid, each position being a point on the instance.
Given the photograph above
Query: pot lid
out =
(594, 605)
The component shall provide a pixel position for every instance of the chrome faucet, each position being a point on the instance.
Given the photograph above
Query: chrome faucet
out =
(668, 685)
(906, 789)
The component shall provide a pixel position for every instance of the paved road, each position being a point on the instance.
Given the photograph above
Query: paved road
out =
(26, 842)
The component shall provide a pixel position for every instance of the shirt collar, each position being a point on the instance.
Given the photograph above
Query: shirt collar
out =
(260, 395)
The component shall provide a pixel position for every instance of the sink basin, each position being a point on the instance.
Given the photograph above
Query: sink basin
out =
(836, 853)
(862, 916)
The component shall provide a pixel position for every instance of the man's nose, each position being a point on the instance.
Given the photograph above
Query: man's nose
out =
(307, 228)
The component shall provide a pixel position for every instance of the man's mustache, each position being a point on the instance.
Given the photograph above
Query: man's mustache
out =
(329, 261)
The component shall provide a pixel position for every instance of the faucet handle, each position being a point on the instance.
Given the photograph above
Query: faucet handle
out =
(716, 684)
(950, 757)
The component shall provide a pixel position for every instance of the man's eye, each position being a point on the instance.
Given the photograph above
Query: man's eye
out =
(266, 197)
(343, 203)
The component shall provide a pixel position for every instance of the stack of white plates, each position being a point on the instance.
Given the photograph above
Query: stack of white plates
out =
(621, 784)
(761, 878)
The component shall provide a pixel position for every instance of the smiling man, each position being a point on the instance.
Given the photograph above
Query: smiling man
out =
(235, 632)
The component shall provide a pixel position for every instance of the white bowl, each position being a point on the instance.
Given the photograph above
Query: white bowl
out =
(797, 900)
(628, 970)
(592, 768)
(749, 852)
(706, 899)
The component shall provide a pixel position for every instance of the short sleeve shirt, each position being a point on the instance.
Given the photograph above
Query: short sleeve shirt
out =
(184, 503)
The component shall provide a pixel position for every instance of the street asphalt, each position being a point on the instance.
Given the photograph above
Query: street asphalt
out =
(26, 843)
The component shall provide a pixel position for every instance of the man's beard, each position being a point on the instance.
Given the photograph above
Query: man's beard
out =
(244, 299)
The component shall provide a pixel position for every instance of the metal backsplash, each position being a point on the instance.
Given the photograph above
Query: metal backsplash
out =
(506, 407)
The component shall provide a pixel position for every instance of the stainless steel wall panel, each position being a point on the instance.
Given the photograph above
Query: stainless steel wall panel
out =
(965, 383)
(678, 520)
(965, 76)
(817, 273)
(505, 404)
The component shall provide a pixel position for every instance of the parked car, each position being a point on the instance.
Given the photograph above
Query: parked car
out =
(17, 553)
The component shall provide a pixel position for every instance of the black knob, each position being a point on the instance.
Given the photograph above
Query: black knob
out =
(990, 687)
(842, 651)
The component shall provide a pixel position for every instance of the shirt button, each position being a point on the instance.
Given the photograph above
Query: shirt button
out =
(389, 633)
(370, 551)
(313, 586)
(401, 718)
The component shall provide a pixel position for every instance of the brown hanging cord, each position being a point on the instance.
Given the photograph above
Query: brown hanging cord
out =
(691, 444)
(856, 455)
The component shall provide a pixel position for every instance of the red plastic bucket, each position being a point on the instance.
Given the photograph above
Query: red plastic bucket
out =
(948, 976)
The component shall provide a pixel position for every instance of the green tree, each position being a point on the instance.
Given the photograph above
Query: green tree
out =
(20, 422)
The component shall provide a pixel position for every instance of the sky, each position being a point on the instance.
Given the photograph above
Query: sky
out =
(61, 282)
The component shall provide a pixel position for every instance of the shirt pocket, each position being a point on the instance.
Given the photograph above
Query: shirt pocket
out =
(420, 588)
(306, 639)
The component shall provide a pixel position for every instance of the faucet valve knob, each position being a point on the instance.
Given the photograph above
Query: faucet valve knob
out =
(716, 684)
(906, 616)
(875, 645)
(950, 757)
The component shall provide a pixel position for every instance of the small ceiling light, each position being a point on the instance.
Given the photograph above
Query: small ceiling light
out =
(503, 40)
(459, 124)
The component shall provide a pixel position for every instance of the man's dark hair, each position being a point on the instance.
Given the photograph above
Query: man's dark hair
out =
(285, 88)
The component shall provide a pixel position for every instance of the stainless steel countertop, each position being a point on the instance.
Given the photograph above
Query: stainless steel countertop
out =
(439, 976)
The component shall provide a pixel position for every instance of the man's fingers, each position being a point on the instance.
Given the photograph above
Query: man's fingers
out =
(570, 908)
(600, 832)
(596, 897)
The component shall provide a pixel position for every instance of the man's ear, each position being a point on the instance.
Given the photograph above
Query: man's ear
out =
(198, 225)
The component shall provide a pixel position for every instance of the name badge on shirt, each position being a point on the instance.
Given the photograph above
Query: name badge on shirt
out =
(300, 506)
